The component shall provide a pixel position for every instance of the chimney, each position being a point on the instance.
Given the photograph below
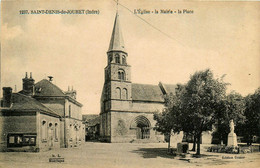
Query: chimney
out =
(28, 85)
(71, 92)
(50, 78)
(7, 95)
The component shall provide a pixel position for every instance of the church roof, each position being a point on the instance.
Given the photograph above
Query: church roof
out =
(47, 88)
(22, 102)
(170, 88)
(116, 41)
(145, 92)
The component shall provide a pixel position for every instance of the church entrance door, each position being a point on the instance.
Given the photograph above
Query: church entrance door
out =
(142, 126)
(142, 132)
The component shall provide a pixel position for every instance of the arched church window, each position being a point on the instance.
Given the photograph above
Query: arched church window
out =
(118, 93)
(124, 94)
(123, 60)
(117, 59)
(121, 74)
(110, 58)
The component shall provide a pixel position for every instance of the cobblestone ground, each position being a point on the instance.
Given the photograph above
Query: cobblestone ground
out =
(106, 155)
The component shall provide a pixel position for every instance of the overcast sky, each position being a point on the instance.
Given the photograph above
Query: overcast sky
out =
(224, 37)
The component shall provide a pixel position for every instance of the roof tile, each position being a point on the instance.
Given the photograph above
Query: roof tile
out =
(145, 92)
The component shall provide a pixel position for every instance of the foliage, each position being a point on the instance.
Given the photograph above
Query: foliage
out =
(167, 121)
(252, 114)
(232, 107)
(200, 101)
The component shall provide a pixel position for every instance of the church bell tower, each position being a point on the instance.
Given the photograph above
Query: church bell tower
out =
(117, 85)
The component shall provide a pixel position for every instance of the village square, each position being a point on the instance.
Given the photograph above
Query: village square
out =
(197, 123)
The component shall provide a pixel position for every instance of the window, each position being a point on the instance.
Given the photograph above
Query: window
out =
(123, 60)
(118, 93)
(44, 130)
(110, 58)
(50, 131)
(56, 131)
(15, 140)
(121, 74)
(70, 132)
(69, 110)
(19, 140)
(124, 94)
(117, 59)
(29, 140)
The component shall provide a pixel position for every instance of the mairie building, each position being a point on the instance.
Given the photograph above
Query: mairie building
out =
(40, 117)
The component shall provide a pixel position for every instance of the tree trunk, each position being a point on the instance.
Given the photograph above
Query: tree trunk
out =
(194, 143)
(169, 143)
(198, 143)
(251, 139)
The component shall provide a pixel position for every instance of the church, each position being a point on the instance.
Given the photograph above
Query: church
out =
(127, 108)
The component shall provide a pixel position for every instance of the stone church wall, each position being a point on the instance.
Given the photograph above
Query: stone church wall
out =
(121, 130)
(105, 127)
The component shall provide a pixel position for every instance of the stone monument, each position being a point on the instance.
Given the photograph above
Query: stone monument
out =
(232, 137)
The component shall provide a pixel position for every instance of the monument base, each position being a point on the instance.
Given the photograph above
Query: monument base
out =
(232, 139)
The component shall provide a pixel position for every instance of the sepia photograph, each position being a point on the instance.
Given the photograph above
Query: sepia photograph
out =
(120, 83)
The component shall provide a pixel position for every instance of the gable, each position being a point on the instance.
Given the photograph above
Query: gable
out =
(170, 88)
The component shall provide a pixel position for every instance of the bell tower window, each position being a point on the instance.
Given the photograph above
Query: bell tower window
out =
(110, 58)
(117, 59)
(123, 60)
(121, 74)
(118, 93)
(124, 94)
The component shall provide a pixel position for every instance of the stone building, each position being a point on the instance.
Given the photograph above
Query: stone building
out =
(40, 117)
(92, 126)
(127, 108)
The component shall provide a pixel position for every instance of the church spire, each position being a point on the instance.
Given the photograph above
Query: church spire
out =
(117, 41)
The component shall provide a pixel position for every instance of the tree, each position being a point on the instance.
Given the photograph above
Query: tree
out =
(230, 108)
(252, 114)
(202, 96)
(167, 121)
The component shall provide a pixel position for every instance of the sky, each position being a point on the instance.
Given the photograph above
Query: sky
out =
(222, 36)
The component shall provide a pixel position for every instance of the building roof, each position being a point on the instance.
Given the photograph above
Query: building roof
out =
(87, 117)
(91, 119)
(116, 41)
(145, 92)
(22, 102)
(47, 88)
(169, 88)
